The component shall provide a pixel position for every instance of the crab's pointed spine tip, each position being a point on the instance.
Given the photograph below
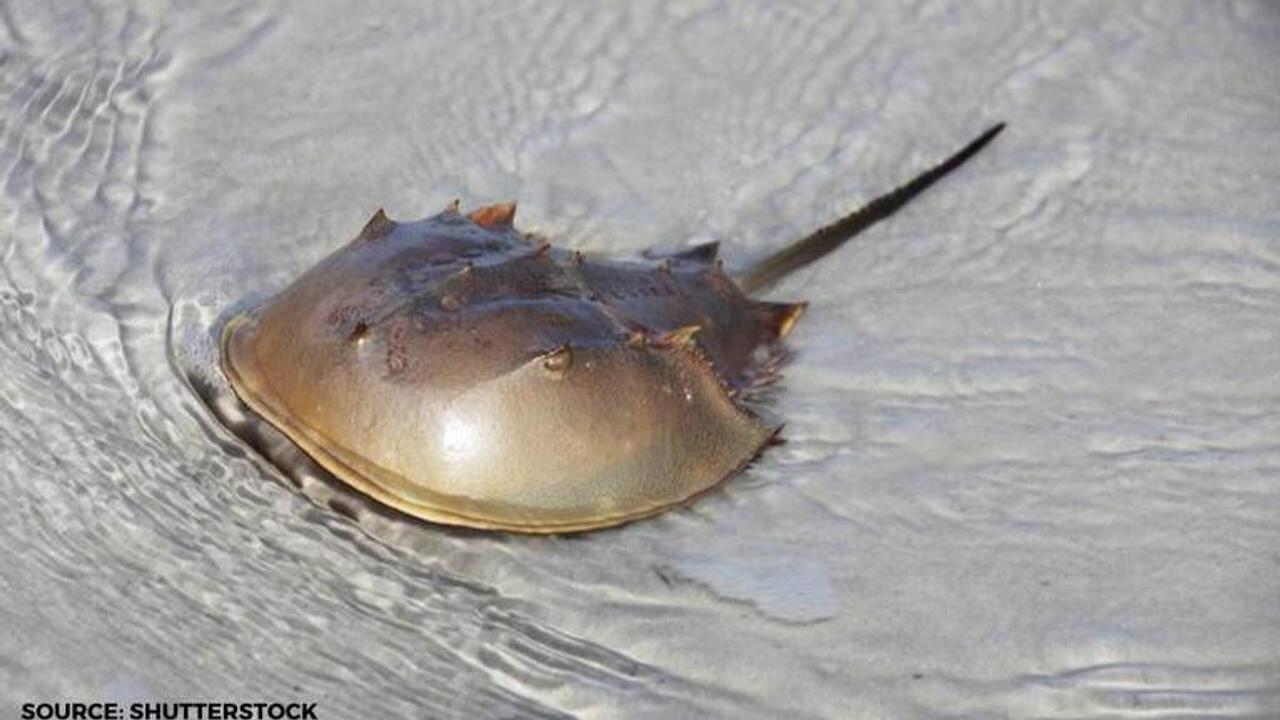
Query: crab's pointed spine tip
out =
(780, 318)
(680, 337)
(706, 252)
(559, 360)
(379, 226)
(499, 215)
(637, 339)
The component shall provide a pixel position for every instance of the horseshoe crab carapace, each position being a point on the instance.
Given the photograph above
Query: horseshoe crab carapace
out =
(466, 373)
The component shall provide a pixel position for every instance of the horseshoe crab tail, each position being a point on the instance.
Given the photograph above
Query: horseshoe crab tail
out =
(773, 268)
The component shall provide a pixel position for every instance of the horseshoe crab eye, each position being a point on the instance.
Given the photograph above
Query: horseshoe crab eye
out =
(558, 361)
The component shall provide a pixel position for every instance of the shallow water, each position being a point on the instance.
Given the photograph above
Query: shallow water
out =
(1033, 457)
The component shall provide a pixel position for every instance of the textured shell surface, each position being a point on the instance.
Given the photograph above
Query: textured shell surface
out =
(466, 373)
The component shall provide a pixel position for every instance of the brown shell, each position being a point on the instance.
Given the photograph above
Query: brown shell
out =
(461, 372)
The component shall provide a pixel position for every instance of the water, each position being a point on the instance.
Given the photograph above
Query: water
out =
(1033, 458)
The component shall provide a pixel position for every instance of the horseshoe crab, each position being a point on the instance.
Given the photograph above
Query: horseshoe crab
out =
(466, 373)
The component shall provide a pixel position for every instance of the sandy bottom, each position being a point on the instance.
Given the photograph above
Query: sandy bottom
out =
(1033, 457)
